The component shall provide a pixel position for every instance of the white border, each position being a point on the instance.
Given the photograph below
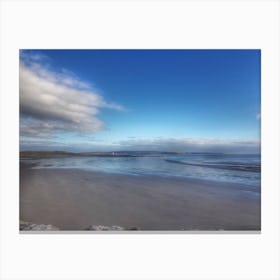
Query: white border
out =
(135, 24)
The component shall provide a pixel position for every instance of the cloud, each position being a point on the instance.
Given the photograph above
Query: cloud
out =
(258, 116)
(53, 101)
(157, 144)
(191, 145)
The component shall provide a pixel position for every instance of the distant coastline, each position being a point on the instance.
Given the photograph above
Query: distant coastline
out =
(34, 154)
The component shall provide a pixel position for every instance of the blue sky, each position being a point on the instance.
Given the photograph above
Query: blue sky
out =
(153, 99)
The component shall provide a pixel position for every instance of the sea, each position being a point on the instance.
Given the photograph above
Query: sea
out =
(233, 168)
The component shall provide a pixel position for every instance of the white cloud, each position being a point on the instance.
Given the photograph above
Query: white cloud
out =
(156, 144)
(51, 101)
(258, 116)
(192, 145)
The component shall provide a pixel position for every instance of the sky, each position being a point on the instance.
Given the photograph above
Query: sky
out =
(168, 100)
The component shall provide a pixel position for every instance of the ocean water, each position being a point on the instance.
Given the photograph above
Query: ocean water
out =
(245, 169)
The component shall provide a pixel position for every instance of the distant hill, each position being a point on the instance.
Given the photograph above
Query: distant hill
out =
(34, 154)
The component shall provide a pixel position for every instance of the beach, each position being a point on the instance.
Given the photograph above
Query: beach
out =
(73, 199)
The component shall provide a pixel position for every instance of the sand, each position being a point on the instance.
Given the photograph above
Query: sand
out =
(73, 199)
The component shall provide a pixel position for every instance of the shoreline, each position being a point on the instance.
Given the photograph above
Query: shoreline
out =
(72, 199)
(257, 187)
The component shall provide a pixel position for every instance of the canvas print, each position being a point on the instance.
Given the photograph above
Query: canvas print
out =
(140, 140)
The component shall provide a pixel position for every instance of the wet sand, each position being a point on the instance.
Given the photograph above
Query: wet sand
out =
(72, 199)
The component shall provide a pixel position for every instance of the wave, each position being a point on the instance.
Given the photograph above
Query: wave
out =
(225, 165)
